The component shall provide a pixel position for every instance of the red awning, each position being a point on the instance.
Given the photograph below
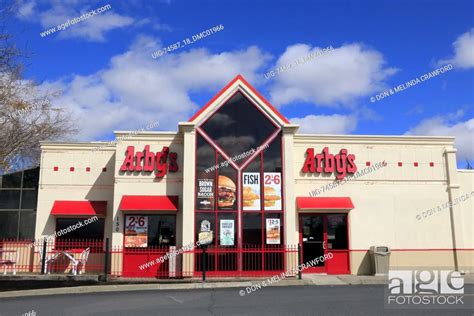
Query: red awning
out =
(149, 203)
(318, 203)
(82, 208)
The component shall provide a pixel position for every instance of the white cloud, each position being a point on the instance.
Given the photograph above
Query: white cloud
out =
(25, 9)
(136, 89)
(440, 126)
(326, 124)
(339, 77)
(463, 51)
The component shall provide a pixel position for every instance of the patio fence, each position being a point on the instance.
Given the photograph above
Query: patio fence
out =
(64, 256)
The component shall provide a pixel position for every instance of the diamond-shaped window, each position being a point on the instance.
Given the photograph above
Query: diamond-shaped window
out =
(238, 126)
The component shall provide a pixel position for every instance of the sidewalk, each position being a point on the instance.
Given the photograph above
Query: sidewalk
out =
(124, 285)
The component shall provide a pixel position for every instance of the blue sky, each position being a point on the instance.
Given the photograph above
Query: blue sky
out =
(109, 80)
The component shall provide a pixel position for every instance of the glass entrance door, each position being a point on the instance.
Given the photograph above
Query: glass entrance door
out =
(321, 234)
(313, 238)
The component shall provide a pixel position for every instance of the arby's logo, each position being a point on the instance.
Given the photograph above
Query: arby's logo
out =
(341, 164)
(147, 161)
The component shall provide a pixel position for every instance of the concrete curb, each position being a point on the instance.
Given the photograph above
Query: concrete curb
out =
(121, 288)
(143, 287)
(310, 280)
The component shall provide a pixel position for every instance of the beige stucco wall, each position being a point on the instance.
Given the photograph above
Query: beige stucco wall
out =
(388, 201)
(78, 185)
(146, 183)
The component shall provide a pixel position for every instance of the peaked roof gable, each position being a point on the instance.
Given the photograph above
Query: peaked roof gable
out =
(238, 84)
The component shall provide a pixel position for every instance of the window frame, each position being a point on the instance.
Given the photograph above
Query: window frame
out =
(276, 135)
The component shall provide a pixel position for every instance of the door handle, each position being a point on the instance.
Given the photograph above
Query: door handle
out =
(324, 245)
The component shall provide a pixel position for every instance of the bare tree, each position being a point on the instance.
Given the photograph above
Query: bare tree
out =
(26, 114)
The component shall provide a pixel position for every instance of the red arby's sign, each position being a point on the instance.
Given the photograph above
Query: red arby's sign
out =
(148, 161)
(341, 164)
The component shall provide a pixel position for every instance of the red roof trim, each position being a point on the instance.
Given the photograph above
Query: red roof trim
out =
(239, 77)
(145, 203)
(79, 208)
(318, 203)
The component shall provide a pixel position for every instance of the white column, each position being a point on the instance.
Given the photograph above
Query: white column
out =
(453, 192)
(291, 216)
(189, 166)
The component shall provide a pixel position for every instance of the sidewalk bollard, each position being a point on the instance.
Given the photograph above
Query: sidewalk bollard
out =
(43, 260)
(106, 259)
(299, 261)
(204, 259)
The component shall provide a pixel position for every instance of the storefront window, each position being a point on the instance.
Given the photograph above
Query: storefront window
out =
(9, 199)
(272, 156)
(208, 216)
(31, 178)
(28, 199)
(205, 175)
(18, 200)
(12, 180)
(238, 127)
(27, 225)
(161, 230)
(9, 224)
(226, 186)
(252, 229)
(337, 231)
(91, 231)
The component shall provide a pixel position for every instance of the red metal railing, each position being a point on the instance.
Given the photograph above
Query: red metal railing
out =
(88, 256)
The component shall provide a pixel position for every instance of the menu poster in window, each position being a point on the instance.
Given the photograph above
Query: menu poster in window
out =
(272, 191)
(227, 232)
(273, 231)
(136, 231)
(251, 191)
(205, 194)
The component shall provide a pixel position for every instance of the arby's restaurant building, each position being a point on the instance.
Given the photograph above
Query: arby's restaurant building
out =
(239, 170)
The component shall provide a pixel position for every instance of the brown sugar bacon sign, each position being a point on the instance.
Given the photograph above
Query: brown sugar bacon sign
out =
(148, 161)
(341, 164)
